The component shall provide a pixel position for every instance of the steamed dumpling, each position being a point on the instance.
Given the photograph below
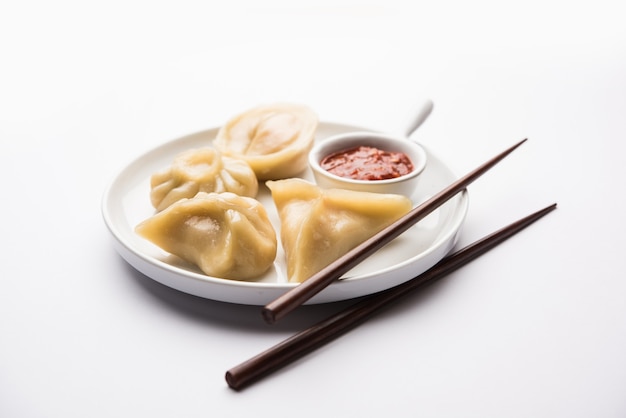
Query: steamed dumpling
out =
(318, 226)
(201, 170)
(225, 235)
(274, 139)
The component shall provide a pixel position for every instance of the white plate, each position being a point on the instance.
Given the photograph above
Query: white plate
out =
(126, 202)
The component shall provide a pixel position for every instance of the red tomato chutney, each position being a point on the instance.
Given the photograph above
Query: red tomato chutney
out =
(367, 163)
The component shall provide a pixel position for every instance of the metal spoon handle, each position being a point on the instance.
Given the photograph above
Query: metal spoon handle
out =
(424, 111)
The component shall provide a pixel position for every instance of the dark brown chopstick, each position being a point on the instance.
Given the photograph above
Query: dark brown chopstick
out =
(295, 297)
(306, 341)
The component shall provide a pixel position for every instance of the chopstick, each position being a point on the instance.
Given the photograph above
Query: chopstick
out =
(306, 341)
(296, 296)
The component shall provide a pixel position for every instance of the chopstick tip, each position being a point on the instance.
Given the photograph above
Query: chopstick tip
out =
(520, 142)
(547, 209)
(506, 152)
(550, 207)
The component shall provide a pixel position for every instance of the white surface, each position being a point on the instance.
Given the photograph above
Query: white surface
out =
(126, 203)
(535, 328)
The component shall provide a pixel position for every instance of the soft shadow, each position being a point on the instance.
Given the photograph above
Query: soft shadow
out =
(414, 301)
(229, 315)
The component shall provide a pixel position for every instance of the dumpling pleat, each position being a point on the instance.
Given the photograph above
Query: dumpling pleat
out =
(225, 235)
(318, 226)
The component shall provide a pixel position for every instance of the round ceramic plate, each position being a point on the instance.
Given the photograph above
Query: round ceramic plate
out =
(126, 202)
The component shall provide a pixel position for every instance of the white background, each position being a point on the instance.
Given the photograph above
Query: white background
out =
(535, 328)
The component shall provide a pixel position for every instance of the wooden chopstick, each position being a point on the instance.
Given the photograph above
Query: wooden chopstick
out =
(306, 341)
(296, 296)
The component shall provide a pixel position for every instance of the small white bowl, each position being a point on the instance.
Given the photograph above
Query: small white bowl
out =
(405, 185)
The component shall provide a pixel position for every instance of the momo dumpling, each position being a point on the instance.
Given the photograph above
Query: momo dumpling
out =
(320, 225)
(225, 235)
(201, 170)
(274, 139)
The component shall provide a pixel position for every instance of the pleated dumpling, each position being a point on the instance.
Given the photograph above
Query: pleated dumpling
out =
(318, 226)
(274, 139)
(225, 235)
(201, 170)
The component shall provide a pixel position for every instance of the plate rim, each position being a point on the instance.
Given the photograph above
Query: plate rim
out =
(146, 264)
